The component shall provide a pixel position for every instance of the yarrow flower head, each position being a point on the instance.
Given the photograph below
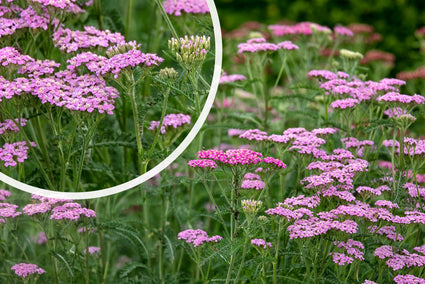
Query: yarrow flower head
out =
(251, 206)
(224, 78)
(197, 237)
(408, 279)
(261, 243)
(232, 156)
(171, 120)
(71, 211)
(12, 125)
(261, 45)
(92, 250)
(303, 28)
(69, 40)
(101, 65)
(26, 269)
(176, 7)
(4, 194)
(203, 164)
(17, 152)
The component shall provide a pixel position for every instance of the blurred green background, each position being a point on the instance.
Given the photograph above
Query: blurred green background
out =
(395, 20)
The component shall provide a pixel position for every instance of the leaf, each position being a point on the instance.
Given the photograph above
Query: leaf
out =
(130, 267)
(129, 233)
(63, 259)
(169, 248)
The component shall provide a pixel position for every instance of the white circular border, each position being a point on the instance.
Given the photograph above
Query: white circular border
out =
(167, 161)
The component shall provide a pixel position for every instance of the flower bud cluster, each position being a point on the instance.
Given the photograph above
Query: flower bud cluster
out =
(190, 51)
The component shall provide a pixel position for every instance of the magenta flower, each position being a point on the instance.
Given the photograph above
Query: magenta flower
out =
(203, 164)
(10, 125)
(261, 45)
(224, 78)
(340, 30)
(12, 154)
(92, 250)
(8, 210)
(408, 279)
(303, 28)
(341, 258)
(41, 238)
(26, 269)
(4, 194)
(171, 120)
(253, 184)
(176, 7)
(261, 243)
(232, 157)
(71, 211)
(36, 208)
(70, 40)
(254, 134)
(197, 237)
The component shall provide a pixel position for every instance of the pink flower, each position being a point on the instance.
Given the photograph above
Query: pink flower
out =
(261, 243)
(176, 7)
(92, 250)
(197, 237)
(26, 269)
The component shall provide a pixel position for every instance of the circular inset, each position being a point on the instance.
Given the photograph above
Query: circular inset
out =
(164, 163)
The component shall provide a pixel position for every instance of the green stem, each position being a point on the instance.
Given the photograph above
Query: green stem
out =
(128, 19)
(137, 129)
(229, 271)
(158, 131)
(167, 19)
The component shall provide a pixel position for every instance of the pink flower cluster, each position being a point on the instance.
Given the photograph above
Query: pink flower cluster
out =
(352, 142)
(412, 147)
(8, 210)
(197, 237)
(202, 163)
(11, 125)
(261, 243)
(71, 211)
(408, 279)
(252, 181)
(17, 152)
(224, 78)
(387, 231)
(339, 175)
(232, 157)
(9, 55)
(22, 18)
(4, 194)
(63, 89)
(101, 65)
(352, 91)
(26, 269)
(260, 44)
(176, 7)
(303, 28)
(402, 99)
(92, 250)
(327, 75)
(307, 228)
(288, 212)
(301, 200)
(70, 40)
(352, 250)
(37, 68)
(399, 260)
(395, 112)
(171, 120)
(67, 5)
